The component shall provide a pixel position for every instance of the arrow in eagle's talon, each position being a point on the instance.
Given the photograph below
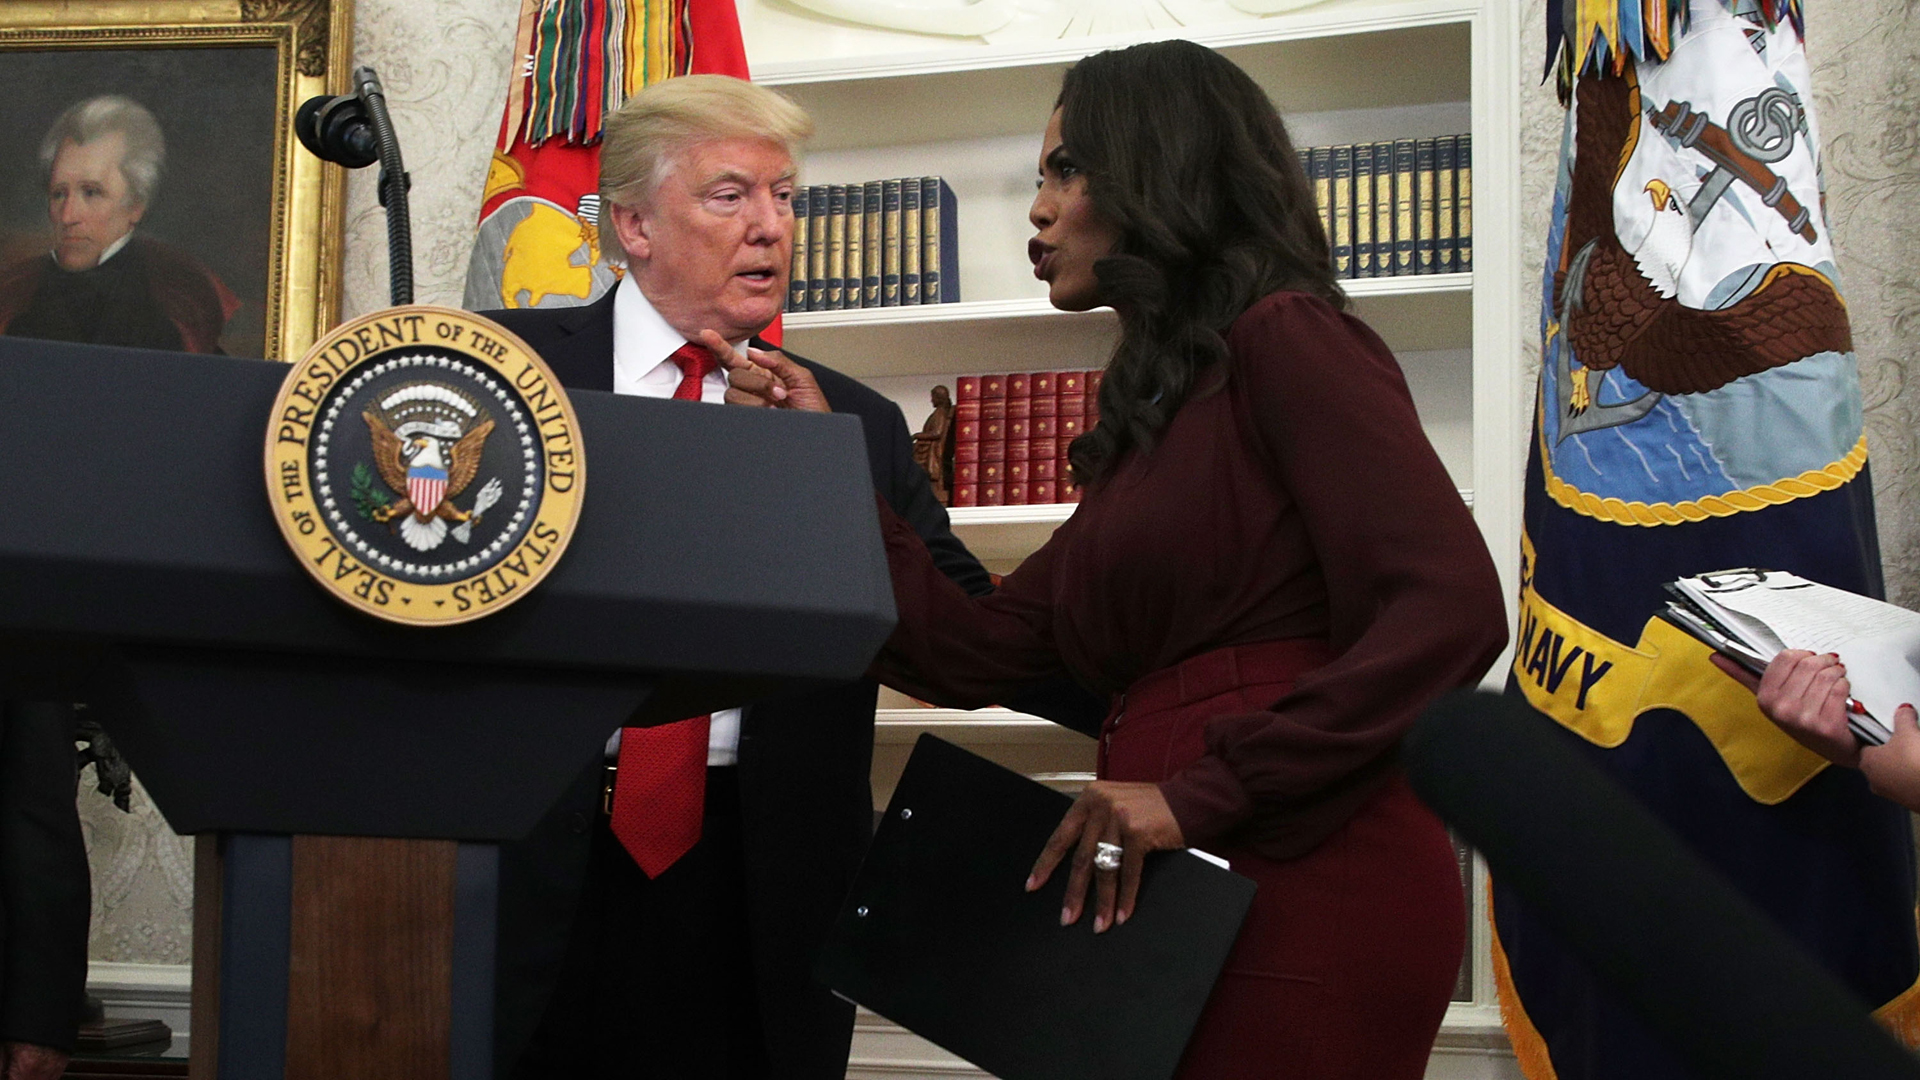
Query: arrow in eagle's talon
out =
(483, 502)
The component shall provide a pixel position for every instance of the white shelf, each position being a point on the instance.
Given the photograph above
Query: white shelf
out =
(1040, 308)
(1353, 55)
(1412, 314)
(1002, 534)
(901, 727)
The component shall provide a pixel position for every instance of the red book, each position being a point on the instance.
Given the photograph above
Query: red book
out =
(992, 495)
(1068, 428)
(1070, 382)
(1041, 427)
(1043, 384)
(1019, 408)
(993, 472)
(1072, 405)
(966, 494)
(992, 429)
(1093, 381)
(1016, 495)
(1045, 406)
(1037, 469)
(966, 388)
(1020, 385)
(993, 410)
(992, 387)
(968, 472)
(967, 410)
(1041, 491)
(965, 452)
(1019, 449)
(1070, 495)
(1017, 472)
(991, 452)
(966, 431)
(1019, 430)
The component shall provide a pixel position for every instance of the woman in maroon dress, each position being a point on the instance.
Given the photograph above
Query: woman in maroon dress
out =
(1270, 571)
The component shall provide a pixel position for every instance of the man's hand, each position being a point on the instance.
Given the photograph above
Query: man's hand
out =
(1806, 694)
(27, 1061)
(1136, 817)
(766, 379)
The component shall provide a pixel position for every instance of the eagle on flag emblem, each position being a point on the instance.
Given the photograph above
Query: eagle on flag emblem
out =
(427, 444)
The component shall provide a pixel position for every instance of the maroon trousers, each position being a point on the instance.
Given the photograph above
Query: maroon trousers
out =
(1345, 964)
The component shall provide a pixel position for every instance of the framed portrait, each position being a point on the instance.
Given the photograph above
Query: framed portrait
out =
(152, 190)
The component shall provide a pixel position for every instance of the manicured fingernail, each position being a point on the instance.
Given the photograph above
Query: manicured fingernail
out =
(1031, 883)
(1066, 916)
(1099, 924)
(1120, 917)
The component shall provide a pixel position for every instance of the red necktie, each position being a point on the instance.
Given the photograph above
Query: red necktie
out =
(660, 790)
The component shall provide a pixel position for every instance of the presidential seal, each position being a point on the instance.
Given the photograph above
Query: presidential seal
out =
(424, 465)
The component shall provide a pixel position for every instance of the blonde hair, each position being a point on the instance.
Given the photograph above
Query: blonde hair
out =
(656, 125)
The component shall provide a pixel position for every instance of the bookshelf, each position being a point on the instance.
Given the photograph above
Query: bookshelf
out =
(971, 110)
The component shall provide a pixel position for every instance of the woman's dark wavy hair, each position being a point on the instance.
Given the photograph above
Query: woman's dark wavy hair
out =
(1187, 158)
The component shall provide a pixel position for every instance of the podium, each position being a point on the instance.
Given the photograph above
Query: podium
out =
(358, 774)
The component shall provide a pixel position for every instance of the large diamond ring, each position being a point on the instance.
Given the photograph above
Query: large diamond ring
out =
(1106, 856)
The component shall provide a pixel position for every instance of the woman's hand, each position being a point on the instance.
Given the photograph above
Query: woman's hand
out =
(1135, 817)
(1893, 770)
(1806, 694)
(766, 379)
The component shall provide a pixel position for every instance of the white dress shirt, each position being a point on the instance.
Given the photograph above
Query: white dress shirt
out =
(643, 346)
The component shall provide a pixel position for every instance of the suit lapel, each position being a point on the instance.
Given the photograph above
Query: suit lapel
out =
(583, 357)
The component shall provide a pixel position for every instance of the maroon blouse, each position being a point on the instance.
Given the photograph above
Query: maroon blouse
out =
(1300, 499)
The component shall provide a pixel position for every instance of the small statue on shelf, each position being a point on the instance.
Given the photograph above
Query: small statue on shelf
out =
(933, 446)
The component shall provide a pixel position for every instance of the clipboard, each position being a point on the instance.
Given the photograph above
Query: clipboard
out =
(940, 936)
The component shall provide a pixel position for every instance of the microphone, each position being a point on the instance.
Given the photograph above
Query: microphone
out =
(354, 131)
(1727, 990)
(336, 129)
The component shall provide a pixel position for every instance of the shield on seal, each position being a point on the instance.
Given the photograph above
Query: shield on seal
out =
(426, 486)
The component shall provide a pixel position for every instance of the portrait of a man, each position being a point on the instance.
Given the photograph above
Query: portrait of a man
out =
(138, 191)
(103, 282)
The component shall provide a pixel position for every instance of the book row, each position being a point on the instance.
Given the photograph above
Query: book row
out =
(1396, 208)
(884, 243)
(1011, 434)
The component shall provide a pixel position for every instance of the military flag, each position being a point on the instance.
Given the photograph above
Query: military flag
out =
(1699, 409)
(539, 241)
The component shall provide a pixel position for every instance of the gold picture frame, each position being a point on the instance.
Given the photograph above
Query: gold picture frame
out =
(238, 194)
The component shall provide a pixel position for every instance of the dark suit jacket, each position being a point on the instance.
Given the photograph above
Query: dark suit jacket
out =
(45, 893)
(807, 806)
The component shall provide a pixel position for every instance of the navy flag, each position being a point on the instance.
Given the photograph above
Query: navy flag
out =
(1699, 408)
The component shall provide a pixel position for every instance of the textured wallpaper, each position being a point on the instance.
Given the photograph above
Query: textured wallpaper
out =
(444, 66)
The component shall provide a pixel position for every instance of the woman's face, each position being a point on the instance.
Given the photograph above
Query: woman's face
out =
(1072, 234)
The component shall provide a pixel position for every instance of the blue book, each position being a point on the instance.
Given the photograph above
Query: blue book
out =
(939, 243)
(797, 275)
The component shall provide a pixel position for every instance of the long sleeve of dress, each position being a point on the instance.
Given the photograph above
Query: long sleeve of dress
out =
(959, 651)
(1413, 603)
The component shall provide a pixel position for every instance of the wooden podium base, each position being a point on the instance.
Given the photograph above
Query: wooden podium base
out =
(317, 957)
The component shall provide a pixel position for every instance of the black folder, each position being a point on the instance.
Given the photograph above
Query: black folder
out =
(940, 936)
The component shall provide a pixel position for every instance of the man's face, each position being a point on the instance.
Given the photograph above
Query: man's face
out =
(88, 201)
(711, 250)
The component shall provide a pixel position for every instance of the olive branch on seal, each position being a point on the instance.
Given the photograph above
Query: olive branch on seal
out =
(368, 494)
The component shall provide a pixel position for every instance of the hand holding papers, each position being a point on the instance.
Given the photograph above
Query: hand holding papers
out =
(940, 935)
(1752, 615)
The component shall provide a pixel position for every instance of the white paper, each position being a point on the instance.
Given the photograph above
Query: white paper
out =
(1878, 642)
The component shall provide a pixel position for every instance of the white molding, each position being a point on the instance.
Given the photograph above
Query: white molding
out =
(1332, 20)
(146, 991)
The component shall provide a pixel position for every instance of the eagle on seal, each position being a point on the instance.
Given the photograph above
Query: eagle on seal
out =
(428, 458)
